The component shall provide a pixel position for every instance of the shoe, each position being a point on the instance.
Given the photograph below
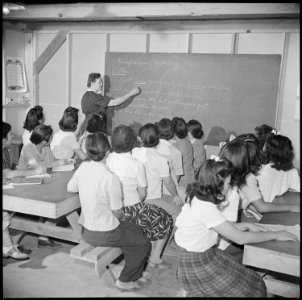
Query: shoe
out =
(15, 254)
(160, 266)
(22, 249)
(49, 243)
(128, 286)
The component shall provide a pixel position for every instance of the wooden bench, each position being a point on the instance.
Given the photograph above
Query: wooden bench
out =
(101, 257)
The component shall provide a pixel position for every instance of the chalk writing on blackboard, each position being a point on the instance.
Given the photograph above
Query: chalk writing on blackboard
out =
(15, 75)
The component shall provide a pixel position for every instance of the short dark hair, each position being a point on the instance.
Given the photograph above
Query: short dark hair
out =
(33, 117)
(195, 128)
(92, 77)
(210, 180)
(97, 146)
(41, 133)
(262, 132)
(180, 127)
(97, 123)
(149, 135)
(6, 128)
(122, 139)
(165, 129)
(279, 151)
(69, 121)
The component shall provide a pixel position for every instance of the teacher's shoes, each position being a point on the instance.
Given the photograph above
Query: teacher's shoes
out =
(15, 254)
(50, 243)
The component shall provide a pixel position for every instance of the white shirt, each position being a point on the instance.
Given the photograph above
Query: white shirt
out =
(26, 137)
(274, 183)
(194, 225)
(63, 144)
(100, 192)
(131, 173)
(156, 167)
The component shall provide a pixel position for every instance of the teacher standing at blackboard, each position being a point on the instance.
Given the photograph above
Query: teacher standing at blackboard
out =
(94, 102)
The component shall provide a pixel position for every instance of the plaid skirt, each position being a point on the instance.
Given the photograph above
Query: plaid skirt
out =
(214, 273)
(156, 223)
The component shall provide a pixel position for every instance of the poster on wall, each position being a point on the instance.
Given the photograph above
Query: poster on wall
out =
(15, 75)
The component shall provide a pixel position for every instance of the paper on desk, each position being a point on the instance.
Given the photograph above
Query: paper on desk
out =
(8, 186)
(68, 167)
(292, 229)
(39, 175)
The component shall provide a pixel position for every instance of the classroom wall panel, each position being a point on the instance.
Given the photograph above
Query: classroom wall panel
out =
(169, 42)
(212, 43)
(127, 42)
(87, 55)
(260, 43)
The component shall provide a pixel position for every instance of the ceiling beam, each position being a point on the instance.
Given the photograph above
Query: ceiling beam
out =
(152, 11)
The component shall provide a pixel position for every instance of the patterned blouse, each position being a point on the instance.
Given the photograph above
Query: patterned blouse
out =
(199, 153)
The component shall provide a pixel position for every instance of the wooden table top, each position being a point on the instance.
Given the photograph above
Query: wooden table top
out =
(49, 199)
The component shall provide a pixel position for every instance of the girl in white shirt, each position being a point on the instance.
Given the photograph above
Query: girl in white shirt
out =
(278, 175)
(64, 144)
(156, 222)
(203, 270)
(101, 212)
(34, 117)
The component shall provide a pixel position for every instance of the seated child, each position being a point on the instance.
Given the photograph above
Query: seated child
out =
(195, 135)
(102, 216)
(9, 249)
(34, 117)
(262, 132)
(156, 222)
(278, 175)
(64, 144)
(203, 270)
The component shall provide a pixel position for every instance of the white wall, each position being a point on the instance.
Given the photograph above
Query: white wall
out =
(63, 80)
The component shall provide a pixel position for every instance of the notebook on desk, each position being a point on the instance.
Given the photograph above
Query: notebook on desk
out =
(26, 180)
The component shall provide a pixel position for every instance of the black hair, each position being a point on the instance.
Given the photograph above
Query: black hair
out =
(33, 118)
(149, 135)
(279, 151)
(210, 181)
(97, 146)
(6, 128)
(92, 77)
(262, 132)
(195, 128)
(165, 129)
(69, 121)
(122, 139)
(97, 123)
(180, 127)
(41, 133)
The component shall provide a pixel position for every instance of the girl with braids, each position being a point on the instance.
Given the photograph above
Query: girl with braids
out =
(203, 270)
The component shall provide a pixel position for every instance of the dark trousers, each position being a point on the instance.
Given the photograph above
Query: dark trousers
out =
(130, 238)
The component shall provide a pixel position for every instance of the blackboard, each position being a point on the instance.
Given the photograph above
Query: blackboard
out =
(227, 93)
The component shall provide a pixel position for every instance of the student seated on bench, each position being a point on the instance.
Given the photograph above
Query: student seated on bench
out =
(102, 215)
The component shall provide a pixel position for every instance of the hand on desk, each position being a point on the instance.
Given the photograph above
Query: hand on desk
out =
(285, 236)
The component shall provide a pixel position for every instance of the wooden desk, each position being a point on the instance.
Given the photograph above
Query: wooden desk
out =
(49, 199)
(281, 257)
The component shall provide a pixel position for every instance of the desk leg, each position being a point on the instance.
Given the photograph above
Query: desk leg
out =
(73, 218)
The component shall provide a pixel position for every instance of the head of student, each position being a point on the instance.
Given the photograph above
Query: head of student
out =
(69, 121)
(41, 134)
(97, 146)
(195, 129)
(180, 127)
(122, 139)
(262, 132)
(96, 124)
(165, 129)
(212, 181)
(149, 135)
(279, 152)
(95, 81)
(6, 134)
(34, 117)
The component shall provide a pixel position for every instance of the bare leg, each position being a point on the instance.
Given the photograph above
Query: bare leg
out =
(157, 247)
